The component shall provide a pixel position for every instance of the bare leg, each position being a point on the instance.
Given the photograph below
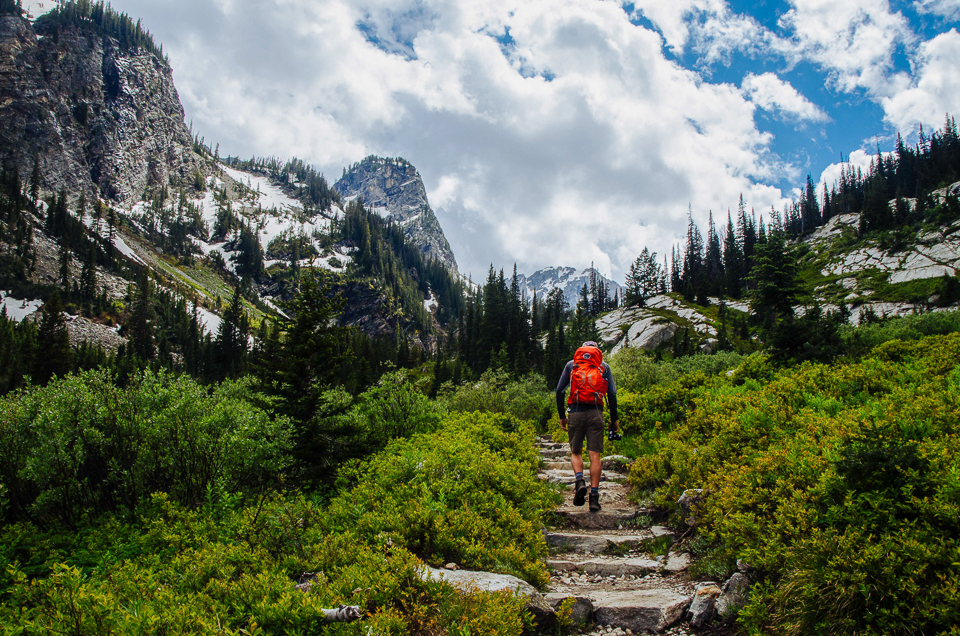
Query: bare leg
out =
(577, 461)
(594, 468)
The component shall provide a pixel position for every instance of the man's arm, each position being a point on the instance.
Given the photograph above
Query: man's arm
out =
(611, 396)
(561, 389)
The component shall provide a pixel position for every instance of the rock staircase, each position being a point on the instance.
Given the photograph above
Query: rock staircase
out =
(615, 566)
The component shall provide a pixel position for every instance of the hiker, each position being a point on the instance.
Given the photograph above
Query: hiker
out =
(589, 379)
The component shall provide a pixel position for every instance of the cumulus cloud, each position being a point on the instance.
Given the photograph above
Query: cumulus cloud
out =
(936, 91)
(771, 93)
(547, 132)
(858, 160)
(949, 9)
(854, 41)
(711, 29)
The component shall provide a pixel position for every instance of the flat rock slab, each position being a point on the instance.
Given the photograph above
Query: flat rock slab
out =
(469, 581)
(677, 562)
(561, 565)
(603, 520)
(637, 566)
(551, 454)
(565, 475)
(592, 543)
(639, 610)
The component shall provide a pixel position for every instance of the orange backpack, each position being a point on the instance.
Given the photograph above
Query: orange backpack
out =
(586, 378)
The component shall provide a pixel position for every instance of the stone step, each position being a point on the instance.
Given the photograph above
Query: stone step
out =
(604, 520)
(640, 611)
(642, 604)
(554, 463)
(553, 446)
(554, 453)
(595, 543)
(628, 566)
(565, 476)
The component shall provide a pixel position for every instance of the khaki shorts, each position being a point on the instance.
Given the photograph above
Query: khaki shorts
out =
(585, 424)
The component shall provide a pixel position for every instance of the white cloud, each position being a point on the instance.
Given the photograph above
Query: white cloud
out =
(771, 93)
(576, 141)
(854, 41)
(858, 159)
(710, 28)
(949, 9)
(936, 91)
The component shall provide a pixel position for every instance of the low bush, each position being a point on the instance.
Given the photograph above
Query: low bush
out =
(467, 494)
(838, 484)
(185, 573)
(527, 398)
(217, 561)
(82, 446)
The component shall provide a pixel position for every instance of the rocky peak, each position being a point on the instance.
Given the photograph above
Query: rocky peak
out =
(97, 117)
(568, 279)
(393, 188)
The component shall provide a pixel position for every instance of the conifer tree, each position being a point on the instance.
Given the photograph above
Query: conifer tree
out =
(311, 353)
(53, 355)
(141, 325)
(732, 261)
(774, 281)
(231, 344)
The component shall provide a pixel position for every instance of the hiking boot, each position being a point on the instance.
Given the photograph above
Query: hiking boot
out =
(579, 492)
(594, 502)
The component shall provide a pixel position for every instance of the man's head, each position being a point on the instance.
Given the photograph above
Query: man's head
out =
(591, 343)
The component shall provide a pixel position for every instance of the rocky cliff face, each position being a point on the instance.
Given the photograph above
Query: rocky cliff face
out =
(393, 189)
(98, 118)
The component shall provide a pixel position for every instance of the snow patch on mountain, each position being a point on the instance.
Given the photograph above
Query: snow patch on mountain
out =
(568, 279)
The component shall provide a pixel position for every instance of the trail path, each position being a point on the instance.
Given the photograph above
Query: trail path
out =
(606, 561)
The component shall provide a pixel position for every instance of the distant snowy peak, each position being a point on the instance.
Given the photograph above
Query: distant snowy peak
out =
(568, 279)
(393, 189)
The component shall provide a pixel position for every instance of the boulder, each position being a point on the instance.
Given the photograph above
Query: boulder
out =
(639, 610)
(580, 611)
(648, 334)
(736, 593)
(703, 607)
(617, 463)
(677, 562)
(689, 501)
(468, 581)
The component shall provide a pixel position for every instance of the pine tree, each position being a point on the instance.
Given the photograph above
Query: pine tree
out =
(53, 355)
(141, 325)
(231, 344)
(774, 281)
(644, 278)
(713, 261)
(732, 261)
(311, 354)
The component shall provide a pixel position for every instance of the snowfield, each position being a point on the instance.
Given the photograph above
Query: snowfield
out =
(17, 309)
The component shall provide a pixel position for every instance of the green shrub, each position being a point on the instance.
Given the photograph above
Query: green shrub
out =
(194, 576)
(860, 340)
(525, 399)
(81, 446)
(392, 409)
(835, 482)
(467, 493)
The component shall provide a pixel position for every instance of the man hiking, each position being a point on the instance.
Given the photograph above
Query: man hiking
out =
(589, 379)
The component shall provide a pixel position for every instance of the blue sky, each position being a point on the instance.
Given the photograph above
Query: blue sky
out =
(566, 132)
